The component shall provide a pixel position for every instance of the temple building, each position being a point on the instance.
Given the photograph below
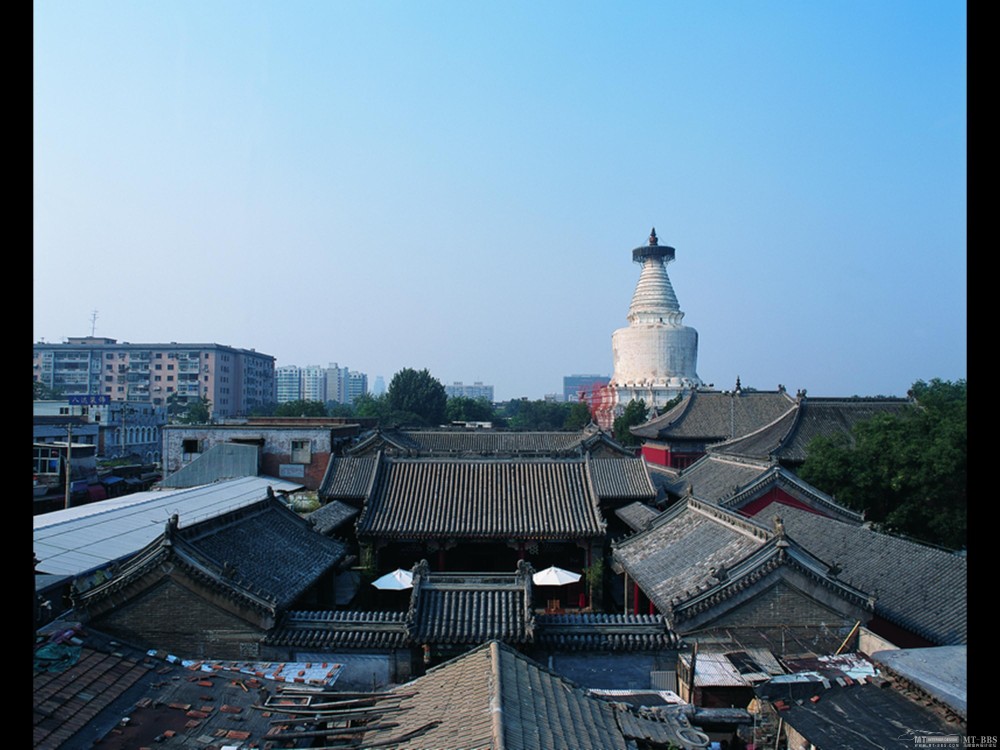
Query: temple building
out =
(655, 356)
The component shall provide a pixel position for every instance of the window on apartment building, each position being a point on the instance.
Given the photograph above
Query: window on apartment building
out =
(159, 367)
(301, 453)
(170, 377)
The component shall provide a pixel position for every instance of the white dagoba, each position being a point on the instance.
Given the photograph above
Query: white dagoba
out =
(656, 356)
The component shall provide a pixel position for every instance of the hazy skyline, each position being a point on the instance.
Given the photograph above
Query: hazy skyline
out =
(458, 187)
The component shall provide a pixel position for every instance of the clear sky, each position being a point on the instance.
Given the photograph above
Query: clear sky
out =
(459, 185)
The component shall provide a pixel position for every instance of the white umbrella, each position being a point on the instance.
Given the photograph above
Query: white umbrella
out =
(554, 577)
(397, 580)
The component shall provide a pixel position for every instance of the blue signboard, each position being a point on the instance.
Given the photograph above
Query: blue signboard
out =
(89, 400)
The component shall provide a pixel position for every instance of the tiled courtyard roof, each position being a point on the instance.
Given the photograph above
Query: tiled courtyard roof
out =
(470, 608)
(332, 516)
(621, 478)
(268, 547)
(637, 515)
(493, 697)
(489, 499)
(677, 554)
(330, 630)
(917, 587)
(464, 443)
(604, 632)
(349, 477)
(714, 478)
(713, 416)
(263, 554)
(787, 438)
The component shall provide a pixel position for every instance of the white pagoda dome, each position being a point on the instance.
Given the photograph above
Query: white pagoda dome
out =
(656, 356)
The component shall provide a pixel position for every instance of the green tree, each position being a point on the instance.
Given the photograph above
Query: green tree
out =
(906, 471)
(465, 409)
(264, 410)
(372, 407)
(577, 416)
(301, 408)
(195, 410)
(337, 409)
(417, 394)
(42, 392)
(635, 413)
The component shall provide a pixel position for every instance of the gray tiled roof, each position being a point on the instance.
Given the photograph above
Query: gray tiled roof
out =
(676, 554)
(332, 516)
(331, 630)
(620, 478)
(471, 443)
(472, 499)
(637, 515)
(493, 697)
(715, 478)
(713, 416)
(349, 477)
(269, 549)
(884, 716)
(471, 608)
(919, 588)
(263, 555)
(604, 632)
(787, 438)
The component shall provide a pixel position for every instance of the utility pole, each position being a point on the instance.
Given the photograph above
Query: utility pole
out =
(69, 457)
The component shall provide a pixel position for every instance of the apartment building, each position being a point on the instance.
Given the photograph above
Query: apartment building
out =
(233, 380)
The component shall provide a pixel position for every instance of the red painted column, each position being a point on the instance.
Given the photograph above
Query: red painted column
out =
(635, 598)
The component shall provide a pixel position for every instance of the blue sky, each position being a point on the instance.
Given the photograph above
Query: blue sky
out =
(459, 186)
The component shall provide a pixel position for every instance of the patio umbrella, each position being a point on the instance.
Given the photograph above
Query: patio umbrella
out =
(554, 577)
(397, 580)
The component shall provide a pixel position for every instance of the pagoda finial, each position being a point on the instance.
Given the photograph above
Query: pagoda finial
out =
(652, 237)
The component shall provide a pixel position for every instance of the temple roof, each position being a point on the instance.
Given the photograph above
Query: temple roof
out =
(916, 587)
(676, 555)
(736, 483)
(787, 438)
(467, 443)
(332, 516)
(470, 609)
(713, 416)
(493, 697)
(695, 556)
(637, 515)
(488, 499)
(262, 553)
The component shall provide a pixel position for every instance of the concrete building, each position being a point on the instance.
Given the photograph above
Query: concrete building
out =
(655, 356)
(475, 391)
(576, 385)
(121, 429)
(288, 383)
(233, 380)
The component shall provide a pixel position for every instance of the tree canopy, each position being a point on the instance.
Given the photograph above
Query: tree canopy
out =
(417, 394)
(523, 415)
(465, 409)
(635, 413)
(195, 410)
(300, 408)
(907, 472)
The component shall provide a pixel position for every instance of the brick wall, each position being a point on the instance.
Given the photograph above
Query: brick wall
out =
(171, 618)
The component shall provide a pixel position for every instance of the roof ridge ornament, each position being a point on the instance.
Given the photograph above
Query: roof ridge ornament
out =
(652, 237)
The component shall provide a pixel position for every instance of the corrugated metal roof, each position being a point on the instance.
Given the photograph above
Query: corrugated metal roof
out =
(73, 541)
(222, 461)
